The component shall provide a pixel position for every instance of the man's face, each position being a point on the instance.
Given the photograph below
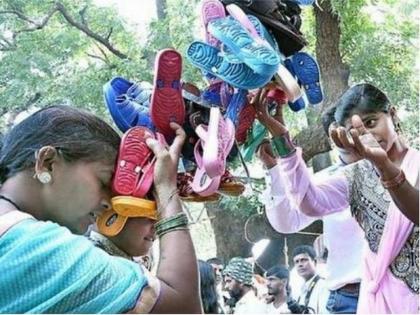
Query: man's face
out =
(234, 287)
(218, 272)
(305, 266)
(275, 285)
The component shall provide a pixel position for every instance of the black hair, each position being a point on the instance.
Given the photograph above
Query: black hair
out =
(215, 260)
(208, 288)
(278, 271)
(361, 98)
(304, 249)
(76, 134)
(328, 118)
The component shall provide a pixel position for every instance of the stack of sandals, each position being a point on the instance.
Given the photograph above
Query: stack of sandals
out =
(246, 45)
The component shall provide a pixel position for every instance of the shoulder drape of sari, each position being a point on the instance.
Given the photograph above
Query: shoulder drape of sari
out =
(44, 268)
(381, 291)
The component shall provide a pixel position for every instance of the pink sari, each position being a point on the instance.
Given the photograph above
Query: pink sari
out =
(381, 291)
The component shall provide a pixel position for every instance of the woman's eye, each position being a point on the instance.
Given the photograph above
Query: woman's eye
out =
(104, 184)
(370, 123)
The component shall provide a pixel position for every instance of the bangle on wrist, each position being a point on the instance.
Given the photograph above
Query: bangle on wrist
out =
(175, 222)
(283, 145)
(394, 182)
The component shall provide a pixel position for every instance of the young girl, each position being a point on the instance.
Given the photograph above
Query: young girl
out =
(55, 173)
(381, 190)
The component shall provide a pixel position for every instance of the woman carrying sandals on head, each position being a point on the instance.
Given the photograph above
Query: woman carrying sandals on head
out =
(55, 173)
(381, 190)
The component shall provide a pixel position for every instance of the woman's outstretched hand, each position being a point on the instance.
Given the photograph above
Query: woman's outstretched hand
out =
(275, 124)
(361, 142)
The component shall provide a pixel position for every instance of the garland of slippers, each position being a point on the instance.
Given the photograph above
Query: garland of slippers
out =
(246, 46)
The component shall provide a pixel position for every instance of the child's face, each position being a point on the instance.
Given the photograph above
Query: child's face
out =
(137, 236)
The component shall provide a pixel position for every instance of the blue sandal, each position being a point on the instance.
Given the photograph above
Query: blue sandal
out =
(259, 56)
(236, 104)
(262, 32)
(297, 105)
(127, 103)
(307, 71)
(210, 59)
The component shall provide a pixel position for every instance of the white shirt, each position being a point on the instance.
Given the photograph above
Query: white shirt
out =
(282, 309)
(250, 304)
(319, 295)
(343, 236)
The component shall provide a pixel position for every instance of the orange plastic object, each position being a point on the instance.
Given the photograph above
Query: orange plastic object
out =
(110, 223)
(134, 207)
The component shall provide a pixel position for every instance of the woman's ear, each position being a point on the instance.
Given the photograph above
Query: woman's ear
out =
(44, 160)
(393, 111)
(395, 119)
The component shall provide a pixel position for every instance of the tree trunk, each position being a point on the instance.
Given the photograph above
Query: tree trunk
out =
(313, 141)
(236, 234)
(161, 7)
(334, 72)
(334, 76)
(321, 161)
(228, 231)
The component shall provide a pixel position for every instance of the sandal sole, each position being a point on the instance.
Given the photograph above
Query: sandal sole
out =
(133, 155)
(238, 75)
(167, 104)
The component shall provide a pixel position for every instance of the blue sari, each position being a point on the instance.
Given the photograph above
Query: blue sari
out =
(44, 268)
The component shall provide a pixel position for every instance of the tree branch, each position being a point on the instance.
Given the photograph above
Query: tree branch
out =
(97, 57)
(83, 27)
(102, 52)
(313, 141)
(5, 45)
(37, 26)
(23, 106)
(19, 14)
(89, 32)
(109, 33)
(82, 15)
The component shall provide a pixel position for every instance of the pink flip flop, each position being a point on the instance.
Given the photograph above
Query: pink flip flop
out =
(218, 141)
(167, 104)
(202, 183)
(211, 10)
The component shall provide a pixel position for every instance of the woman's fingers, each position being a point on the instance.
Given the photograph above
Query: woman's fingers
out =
(344, 139)
(357, 124)
(155, 146)
(263, 96)
(256, 97)
(335, 138)
(358, 145)
(176, 147)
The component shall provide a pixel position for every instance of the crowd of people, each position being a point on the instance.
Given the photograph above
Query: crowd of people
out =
(241, 290)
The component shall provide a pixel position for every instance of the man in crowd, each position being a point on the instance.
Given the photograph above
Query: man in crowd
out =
(314, 293)
(277, 280)
(217, 265)
(238, 282)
